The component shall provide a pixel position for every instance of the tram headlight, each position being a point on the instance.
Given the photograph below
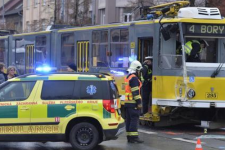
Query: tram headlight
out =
(191, 93)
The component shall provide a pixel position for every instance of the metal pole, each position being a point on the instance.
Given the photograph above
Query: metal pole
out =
(183, 60)
(55, 13)
(3, 16)
(62, 10)
(93, 12)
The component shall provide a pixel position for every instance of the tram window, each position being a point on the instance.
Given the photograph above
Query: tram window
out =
(2, 50)
(96, 36)
(40, 50)
(208, 54)
(19, 56)
(124, 35)
(119, 48)
(104, 36)
(115, 34)
(100, 48)
(67, 50)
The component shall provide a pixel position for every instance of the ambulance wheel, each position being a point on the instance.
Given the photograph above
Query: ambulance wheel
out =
(84, 136)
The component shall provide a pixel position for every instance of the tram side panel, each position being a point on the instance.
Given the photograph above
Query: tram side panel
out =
(30, 51)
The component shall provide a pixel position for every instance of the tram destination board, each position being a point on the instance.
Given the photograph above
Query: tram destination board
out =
(205, 29)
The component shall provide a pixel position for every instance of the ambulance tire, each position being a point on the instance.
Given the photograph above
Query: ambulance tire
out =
(84, 136)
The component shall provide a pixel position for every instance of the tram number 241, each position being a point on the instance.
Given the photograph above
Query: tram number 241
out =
(211, 95)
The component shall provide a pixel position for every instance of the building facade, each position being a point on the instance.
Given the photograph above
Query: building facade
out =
(37, 14)
(11, 15)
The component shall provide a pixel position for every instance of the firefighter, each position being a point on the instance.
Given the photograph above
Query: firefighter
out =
(133, 102)
(193, 49)
(147, 83)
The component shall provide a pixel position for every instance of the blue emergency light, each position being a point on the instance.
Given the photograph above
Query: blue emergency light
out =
(45, 69)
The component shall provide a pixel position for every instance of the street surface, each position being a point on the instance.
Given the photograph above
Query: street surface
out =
(182, 137)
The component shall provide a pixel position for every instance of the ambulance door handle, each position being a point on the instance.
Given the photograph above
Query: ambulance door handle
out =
(24, 108)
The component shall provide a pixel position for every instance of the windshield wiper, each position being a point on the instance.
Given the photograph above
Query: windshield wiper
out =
(216, 72)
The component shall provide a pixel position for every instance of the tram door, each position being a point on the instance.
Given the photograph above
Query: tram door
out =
(145, 47)
(82, 56)
(29, 59)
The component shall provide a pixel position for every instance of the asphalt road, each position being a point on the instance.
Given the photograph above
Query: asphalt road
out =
(171, 138)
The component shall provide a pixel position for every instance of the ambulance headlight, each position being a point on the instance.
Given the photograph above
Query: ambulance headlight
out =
(191, 93)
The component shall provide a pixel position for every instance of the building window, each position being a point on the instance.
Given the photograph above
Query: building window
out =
(28, 4)
(16, 26)
(43, 24)
(28, 26)
(127, 17)
(52, 20)
(102, 16)
(36, 25)
(43, 2)
(35, 3)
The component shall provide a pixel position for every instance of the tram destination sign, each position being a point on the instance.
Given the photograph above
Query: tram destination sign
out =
(205, 29)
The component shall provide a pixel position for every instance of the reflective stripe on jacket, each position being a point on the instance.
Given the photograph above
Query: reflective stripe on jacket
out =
(129, 98)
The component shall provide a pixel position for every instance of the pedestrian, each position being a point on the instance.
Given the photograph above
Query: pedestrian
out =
(133, 102)
(3, 76)
(71, 67)
(146, 89)
(193, 49)
(11, 72)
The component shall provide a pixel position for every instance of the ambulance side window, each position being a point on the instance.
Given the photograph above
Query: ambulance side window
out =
(57, 90)
(92, 90)
(16, 91)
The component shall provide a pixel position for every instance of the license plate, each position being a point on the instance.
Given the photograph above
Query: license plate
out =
(211, 95)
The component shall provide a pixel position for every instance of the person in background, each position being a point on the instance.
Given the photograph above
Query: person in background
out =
(3, 76)
(71, 67)
(193, 49)
(147, 83)
(11, 72)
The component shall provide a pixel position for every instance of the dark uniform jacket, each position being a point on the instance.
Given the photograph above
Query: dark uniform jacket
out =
(147, 74)
(195, 53)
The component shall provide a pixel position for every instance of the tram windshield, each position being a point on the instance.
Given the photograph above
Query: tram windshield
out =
(203, 44)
